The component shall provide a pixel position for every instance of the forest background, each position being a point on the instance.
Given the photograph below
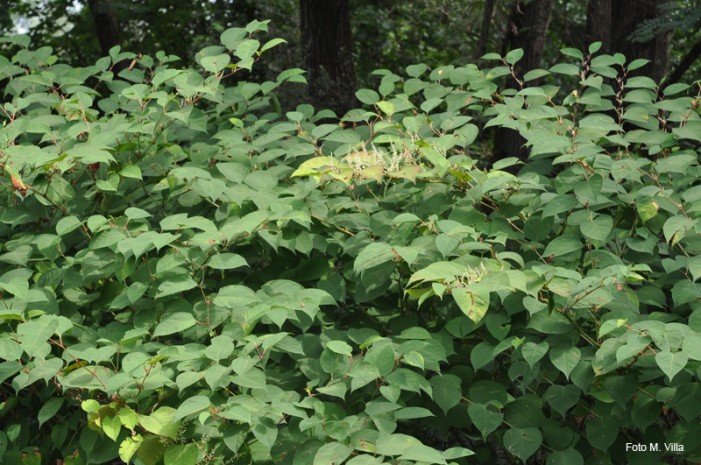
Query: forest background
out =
(340, 42)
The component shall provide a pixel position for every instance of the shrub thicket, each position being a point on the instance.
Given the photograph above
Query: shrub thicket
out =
(191, 274)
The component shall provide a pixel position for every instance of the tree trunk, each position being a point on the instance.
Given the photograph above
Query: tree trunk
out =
(599, 18)
(327, 45)
(528, 28)
(486, 23)
(106, 24)
(626, 16)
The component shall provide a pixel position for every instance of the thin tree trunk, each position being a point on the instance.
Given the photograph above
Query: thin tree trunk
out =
(627, 15)
(327, 44)
(486, 23)
(599, 18)
(528, 28)
(106, 24)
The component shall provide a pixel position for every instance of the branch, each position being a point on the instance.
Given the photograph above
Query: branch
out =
(691, 56)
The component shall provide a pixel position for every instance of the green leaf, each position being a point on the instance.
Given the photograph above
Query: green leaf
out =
(220, 348)
(19, 256)
(482, 354)
(535, 74)
(135, 291)
(33, 335)
(89, 153)
(66, 225)
(191, 406)
(311, 166)
(362, 373)
(128, 417)
(572, 52)
(270, 44)
(8, 369)
(647, 210)
(446, 391)
(18, 286)
(187, 379)
(339, 347)
(685, 291)
(245, 51)
(491, 56)
(671, 363)
(332, 453)
(423, 454)
(522, 442)
(136, 213)
(386, 107)
(131, 171)
(375, 254)
(601, 431)
(412, 413)
(216, 63)
(562, 245)
(381, 356)
(485, 420)
(676, 228)
(692, 346)
(111, 425)
(174, 323)
(161, 422)
(181, 454)
(694, 267)
(533, 352)
(176, 285)
(232, 37)
(227, 261)
(161, 77)
(473, 301)
(565, 359)
(151, 450)
(456, 453)
(562, 397)
(414, 359)
(367, 96)
(416, 70)
(514, 56)
(597, 229)
(49, 409)
(565, 457)
(565, 68)
(394, 444)
(90, 406)
(86, 377)
(129, 446)
(438, 271)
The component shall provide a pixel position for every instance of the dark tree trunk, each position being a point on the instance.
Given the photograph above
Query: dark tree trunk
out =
(484, 32)
(599, 18)
(327, 45)
(106, 24)
(626, 16)
(528, 28)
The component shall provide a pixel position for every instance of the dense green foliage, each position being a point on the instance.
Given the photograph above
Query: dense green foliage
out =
(200, 276)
